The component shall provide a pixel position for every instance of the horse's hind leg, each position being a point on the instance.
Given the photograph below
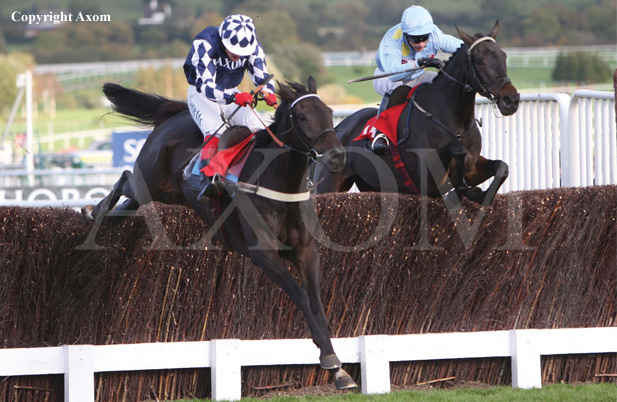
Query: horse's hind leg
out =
(483, 170)
(122, 187)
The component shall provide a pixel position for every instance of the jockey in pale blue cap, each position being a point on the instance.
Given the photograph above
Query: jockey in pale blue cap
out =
(411, 44)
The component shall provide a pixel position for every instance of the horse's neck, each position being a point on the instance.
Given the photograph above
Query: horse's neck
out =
(289, 168)
(460, 102)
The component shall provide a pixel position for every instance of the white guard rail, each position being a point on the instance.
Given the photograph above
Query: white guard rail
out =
(226, 358)
(528, 141)
(553, 140)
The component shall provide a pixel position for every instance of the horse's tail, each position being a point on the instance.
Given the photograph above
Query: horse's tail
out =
(141, 107)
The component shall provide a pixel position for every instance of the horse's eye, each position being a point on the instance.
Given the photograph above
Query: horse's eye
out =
(479, 62)
(301, 117)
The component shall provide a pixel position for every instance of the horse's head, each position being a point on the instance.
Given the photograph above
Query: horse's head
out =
(311, 127)
(489, 74)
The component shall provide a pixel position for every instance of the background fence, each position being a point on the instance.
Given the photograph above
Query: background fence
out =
(225, 358)
(554, 140)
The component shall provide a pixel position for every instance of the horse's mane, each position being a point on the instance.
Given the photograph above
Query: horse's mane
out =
(288, 93)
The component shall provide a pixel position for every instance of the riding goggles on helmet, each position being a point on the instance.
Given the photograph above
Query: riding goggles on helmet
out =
(416, 39)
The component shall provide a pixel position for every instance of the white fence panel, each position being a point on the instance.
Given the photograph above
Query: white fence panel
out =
(528, 141)
(591, 150)
(226, 357)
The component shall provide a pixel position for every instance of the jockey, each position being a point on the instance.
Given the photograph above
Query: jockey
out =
(411, 44)
(214, 68)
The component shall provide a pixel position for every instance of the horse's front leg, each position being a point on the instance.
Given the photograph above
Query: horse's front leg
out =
(307, 263)
(274, 267)
(483, 170)
(453, 157)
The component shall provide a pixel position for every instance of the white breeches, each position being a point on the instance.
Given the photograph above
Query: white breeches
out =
(207, 114)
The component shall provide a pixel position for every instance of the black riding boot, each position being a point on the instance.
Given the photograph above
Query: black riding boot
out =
(208, 188)
(380, 144)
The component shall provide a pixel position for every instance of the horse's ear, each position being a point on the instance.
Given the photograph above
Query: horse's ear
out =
(465, 37)
(495, 30)
(312, 85)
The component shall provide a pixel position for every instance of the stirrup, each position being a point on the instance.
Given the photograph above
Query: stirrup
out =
(210, 187)
(380, 144)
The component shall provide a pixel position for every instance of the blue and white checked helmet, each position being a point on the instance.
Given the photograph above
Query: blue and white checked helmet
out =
(238, 34)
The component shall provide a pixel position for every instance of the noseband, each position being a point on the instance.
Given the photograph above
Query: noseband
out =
(306, 141)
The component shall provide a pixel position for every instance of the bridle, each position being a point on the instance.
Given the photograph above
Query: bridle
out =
(310, 152)
(469, 87)
(475, 76)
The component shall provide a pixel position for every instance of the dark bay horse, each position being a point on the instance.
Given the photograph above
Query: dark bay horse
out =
(439, 141)
(264, 229)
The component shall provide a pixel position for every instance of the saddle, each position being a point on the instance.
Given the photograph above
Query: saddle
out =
(235, 145)
(387, 121)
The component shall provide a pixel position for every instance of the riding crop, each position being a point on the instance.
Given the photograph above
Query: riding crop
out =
(374, 77)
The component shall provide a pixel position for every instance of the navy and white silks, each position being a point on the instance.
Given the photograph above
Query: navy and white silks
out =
(213, 79)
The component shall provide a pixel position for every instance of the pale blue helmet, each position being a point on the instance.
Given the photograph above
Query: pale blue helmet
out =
(417, 21)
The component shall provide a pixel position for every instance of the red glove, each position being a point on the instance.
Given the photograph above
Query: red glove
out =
(270, 99)
(243, 98)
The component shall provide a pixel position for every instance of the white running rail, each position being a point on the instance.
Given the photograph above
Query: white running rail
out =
(78, 363)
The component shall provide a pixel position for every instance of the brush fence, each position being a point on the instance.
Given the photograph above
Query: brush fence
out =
(226, 357)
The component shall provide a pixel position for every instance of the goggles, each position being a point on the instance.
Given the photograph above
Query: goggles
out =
(416, 39)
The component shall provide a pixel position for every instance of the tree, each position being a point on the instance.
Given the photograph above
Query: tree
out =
(274, 29)
(297, 62)
(11, 65)
(581, 67)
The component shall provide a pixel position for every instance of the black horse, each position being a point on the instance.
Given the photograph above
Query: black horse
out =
(267, 230)
(439, 141)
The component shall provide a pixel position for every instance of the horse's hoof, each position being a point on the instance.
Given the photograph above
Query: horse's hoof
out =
(343, 380)
(87, 212)
(330, 362)
(476, 195)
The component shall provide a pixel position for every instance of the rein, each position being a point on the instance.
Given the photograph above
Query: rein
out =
(311, 153)
(468, 87)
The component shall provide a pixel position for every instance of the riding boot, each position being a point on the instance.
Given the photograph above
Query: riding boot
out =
(207, 152)
(384, 103)
(380, 144)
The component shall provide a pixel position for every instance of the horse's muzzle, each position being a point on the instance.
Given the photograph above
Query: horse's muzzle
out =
(335, 159)
(508, 100)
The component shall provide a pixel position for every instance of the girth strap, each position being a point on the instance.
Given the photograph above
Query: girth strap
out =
(402, 171)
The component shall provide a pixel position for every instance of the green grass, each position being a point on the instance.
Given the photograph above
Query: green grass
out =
(550, 393)
(66, 121)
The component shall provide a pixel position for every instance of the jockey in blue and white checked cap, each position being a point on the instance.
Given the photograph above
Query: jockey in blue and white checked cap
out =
(214, 67)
